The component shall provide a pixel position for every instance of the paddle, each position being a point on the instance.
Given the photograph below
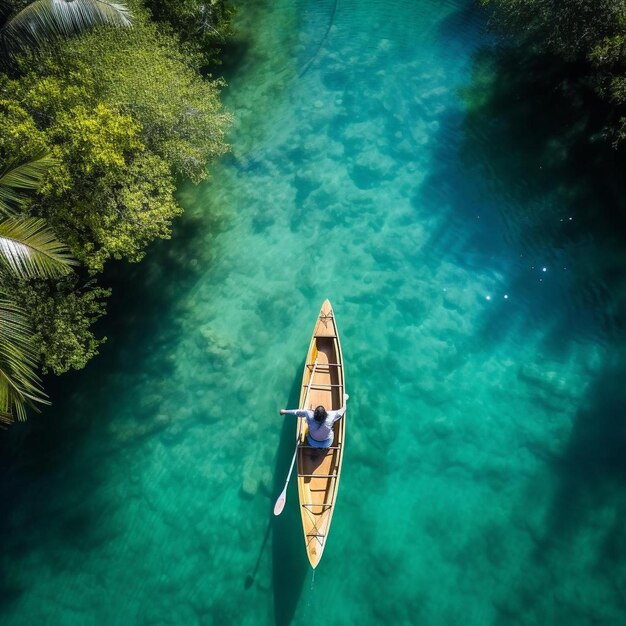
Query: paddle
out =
(282, 498)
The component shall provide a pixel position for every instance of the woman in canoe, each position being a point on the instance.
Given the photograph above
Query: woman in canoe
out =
(320, 423)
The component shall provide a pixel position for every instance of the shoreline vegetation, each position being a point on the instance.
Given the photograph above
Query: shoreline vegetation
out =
(101, 115)
(585, 42)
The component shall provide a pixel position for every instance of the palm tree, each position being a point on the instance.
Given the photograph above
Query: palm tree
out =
(43, 20)
(19, 384)
(28, 248)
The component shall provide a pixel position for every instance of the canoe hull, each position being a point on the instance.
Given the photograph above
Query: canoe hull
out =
(319, 470)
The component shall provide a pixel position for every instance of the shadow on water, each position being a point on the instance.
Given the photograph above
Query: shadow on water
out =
(289, 563)
(591, 471)
(579, 552)
(534, 187)
(461, 28)
(54, 501)
(250, 578)
(532, 139)
(535, 168)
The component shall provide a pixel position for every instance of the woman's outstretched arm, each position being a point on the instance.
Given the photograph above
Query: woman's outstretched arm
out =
(296, 412)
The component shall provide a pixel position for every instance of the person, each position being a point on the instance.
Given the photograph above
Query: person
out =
(320, 422)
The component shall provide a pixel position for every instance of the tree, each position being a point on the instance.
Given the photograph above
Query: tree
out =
(126, 116)
(586, 39)
(27, 248)
(19, 384)
(202, 25)
(44, 20)
(569, 29)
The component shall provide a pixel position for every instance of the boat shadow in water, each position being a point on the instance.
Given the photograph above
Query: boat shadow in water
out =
(289, 563)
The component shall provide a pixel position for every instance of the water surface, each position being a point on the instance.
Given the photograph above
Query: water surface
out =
(382, 157)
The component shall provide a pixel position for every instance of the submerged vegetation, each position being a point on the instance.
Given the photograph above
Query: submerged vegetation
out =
(97, 128)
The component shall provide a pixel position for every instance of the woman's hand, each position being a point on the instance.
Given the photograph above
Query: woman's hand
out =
(282, 411)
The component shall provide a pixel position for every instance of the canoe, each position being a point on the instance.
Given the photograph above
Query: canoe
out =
(319, 470)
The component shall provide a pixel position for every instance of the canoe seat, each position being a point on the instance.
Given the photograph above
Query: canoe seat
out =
(324, 365)
(317, 475)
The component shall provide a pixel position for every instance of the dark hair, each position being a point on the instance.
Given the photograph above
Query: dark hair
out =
(320, 413)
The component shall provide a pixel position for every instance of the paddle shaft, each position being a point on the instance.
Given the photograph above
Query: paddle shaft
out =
(282, 498)
(293, 461)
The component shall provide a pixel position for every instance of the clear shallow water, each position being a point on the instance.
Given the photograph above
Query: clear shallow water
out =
(383, 160)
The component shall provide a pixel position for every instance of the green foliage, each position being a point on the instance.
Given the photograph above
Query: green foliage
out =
(589, 33)
(569, 29)
(60, 318)
(19, 384)
(30, 249)
(107, 197)
(18, 177)
(19, 136)
(41, 21)
(202, 24)
(142, 73)
(94, 140)
(123, 211)
(110, 197)
(122, 113)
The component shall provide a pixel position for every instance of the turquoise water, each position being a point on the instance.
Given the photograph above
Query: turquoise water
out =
(383, 156)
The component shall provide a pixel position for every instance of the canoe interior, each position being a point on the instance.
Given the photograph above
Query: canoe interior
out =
(318, 469)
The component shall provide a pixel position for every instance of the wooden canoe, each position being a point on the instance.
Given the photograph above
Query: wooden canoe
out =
(319, 469)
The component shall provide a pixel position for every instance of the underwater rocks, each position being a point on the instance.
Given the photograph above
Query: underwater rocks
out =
(555, 390)
(127, 432)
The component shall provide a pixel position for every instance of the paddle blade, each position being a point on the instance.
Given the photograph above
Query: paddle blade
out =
(280, 503)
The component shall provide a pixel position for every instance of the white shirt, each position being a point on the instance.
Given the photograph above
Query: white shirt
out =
(320, 431)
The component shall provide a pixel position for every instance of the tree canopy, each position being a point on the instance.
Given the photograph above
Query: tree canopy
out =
(589, 33)
(31, 24)
(28, 249)
(121, 115)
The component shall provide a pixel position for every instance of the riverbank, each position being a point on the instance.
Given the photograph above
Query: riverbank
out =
(120, 114)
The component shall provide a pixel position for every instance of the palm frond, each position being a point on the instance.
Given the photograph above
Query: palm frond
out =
(43, 20)
(23, 176)
(30, 249)
(19, 384)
